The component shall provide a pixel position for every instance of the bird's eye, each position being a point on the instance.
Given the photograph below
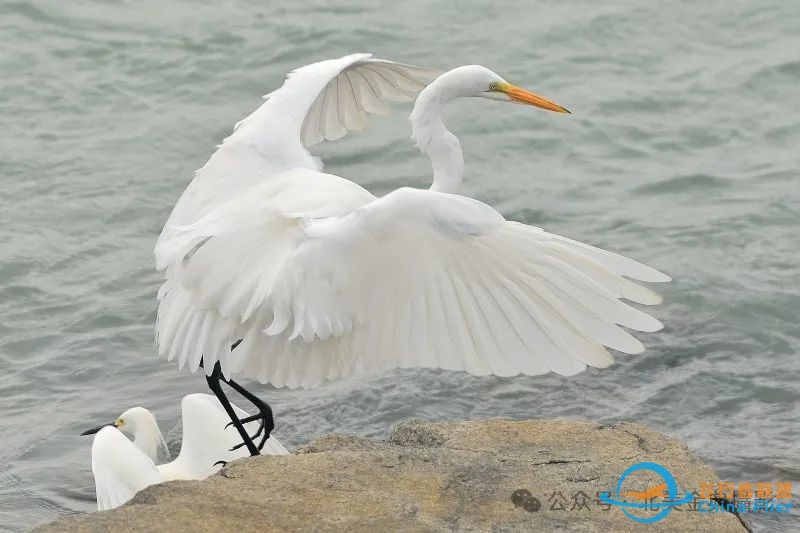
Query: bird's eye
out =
(493, 87)
(120, 421)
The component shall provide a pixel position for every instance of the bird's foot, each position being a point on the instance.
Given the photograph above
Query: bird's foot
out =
(266, 422)
(264, 417)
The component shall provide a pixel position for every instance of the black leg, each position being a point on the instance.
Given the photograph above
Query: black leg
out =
(254, 436)
(264, 414)
(214, 383)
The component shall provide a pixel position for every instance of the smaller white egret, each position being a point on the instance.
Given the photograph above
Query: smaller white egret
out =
(122, 468)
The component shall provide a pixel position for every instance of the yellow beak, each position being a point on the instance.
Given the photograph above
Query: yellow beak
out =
(522, 96)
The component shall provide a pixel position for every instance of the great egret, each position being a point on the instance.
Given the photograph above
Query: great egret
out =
(314, 278)
(122, 468)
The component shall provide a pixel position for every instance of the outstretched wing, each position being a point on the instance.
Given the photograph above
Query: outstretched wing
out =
(206, 439)
(416, 278)
(319, 101)
(220, 268)
(120, 469)
(364, 86)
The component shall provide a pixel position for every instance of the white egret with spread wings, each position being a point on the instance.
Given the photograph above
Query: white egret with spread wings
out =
(122, 468)
(280, 272)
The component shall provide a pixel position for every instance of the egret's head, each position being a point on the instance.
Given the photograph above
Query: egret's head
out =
(129, 422)
(134, 419)
(478, 81)
(139, 424)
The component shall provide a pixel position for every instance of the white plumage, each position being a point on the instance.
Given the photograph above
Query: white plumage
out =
(314, 104)
(322, 280)
(122, 468)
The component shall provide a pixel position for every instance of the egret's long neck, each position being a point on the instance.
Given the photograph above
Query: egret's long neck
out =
(149, 439)
(435, 140)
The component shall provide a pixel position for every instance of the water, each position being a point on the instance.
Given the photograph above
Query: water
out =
(682, 152)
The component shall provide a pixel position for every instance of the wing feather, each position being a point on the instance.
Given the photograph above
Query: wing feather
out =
(207, 438)
(320, 101)
(355, 116)
(363, 85)
(369, 96)
(120, 469)
(535, 304)
(417, 278)
(458, 324)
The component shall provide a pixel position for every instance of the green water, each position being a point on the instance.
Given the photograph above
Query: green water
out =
(681, 152)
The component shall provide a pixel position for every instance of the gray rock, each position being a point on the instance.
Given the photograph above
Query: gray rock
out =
(482, 475)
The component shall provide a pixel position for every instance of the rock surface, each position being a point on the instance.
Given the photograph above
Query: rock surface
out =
(483, 475)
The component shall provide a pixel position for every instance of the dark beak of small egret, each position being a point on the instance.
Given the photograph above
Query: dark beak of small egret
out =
(95, 430)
